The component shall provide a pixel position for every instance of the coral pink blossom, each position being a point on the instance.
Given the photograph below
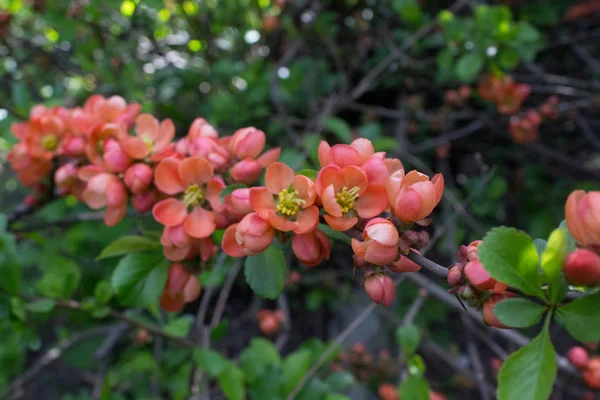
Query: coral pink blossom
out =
(138, 177)
(287, 200)
(250, 237)
(181, 288)
(346, 195)
(191, 178)
(151, 137)
(247, 143)
(104, 190)
(413, 196)
(582, 212)
(380, 288)
(248, 170)
(311, 247)
(380, 246)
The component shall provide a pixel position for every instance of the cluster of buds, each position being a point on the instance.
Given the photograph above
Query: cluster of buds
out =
(182, 287)
(269, 321)
(108, 155)
(524, 129)
(590, 366)
(507, 95)
(582, 213)
(387, 391)
(457, 98)
(469, 280)
(364, 366)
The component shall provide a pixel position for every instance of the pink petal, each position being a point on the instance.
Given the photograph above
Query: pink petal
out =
(278, 177)
(372, 202)
(166, 177)
(200, 223)
(169, 212)
(195, 170)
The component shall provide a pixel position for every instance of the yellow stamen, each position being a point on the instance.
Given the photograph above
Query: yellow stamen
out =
(49, 142)
(346, 198)
(192, 195)
(148, 142)
(289, 203)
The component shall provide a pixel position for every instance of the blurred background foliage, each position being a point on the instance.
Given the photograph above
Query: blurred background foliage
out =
(300, 71)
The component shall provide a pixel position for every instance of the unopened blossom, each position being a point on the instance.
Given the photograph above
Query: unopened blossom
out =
(181, 288)
(346, 195)
(247, 143)
(138, 177)
(579, 357)
(151, 137)
(114, 157)
(380, 245)
(251, 236)
(248, 170)
(198, 195)
(481, 279)
(144, 201)
(104, 190)
(413, 196)
(178, 245)
(582, 213)
(380, 288)
(237, 203)
(591, 375)
(287, 200)
(582, 268)
(488, 309)
(311, 248)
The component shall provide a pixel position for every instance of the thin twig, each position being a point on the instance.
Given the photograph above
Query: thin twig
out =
(476, 364)
(284, 335)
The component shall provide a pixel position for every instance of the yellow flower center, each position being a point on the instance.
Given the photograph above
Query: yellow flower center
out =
(346, 198)
(148, 142)
(192, 195)
(100, 146)
(289, 203)
(49, 142)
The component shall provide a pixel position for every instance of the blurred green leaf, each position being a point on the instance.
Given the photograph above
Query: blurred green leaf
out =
(211, 361)
(408, 338)
(128, 244)
(339, 128)
(180, 326)
(265, 272)
(140, 278)
(468, 67)
(231, 381)
(41, 306)
(581, 318)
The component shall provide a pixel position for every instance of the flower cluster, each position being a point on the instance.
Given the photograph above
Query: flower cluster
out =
(507, 95)
(108, 155)
(524, 129)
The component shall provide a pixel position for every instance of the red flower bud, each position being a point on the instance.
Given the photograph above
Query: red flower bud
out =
(582, 268)
(181, 287)
(138, 177)
(143, 202)
(579, 357)
(454, 276)
(387, 391)
(311, 247)
(488, 311)
(380, 288)
(591, 375)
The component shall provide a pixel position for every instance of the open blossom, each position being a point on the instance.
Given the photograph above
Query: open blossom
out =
(311, 247)
(181, 288)
(287, 200)
(178, 245)
(251, 236)
(30, 170)
(199, 195)
(104, 190)
(582, 213)
(112, 109)
(346, 195)
(413, 196)
(380, 245)
(151, 137)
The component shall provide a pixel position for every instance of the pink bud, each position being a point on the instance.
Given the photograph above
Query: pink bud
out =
(380, 288)
(253, 234)
(246, 171)
(143, 202)
(115, 159)
(65, 177)
(488, 310)
(116, 194)
(454, 276)
(238, 201)
(247, 143)
(311, 247)
(582, 268)
(138, 177)
(579, 357)
(582, 213)
(73, 146)
(478, 276)
(472, 249)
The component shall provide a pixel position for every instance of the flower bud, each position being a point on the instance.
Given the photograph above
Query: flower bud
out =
(591, 375)
(413, 196)
(254, 234)
(433, 395)
(247, 143)
(181, 288)
(495, 365)
(138, 177)
(380, 288)
(246, 171)
(381, 242)
(116, 194)
(582, 268)
(269, 324)
(582, 213)
(311, 247)
(488, 311)
(238, 202)
(143, 202)
(454, 276)
(472, 250)
(73, 146)
(115, 159)
(579, 357)
(387, 391)
(65, 177)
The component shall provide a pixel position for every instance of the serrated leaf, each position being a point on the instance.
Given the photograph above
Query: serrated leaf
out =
(41, 306)
(408, 338)
(128, 244)
(519, 312)
(259, 355)
(529, 373)
(180, 327)
(511, 257)
(231, 188)
(294, 367)
(231, 381)
(333, 234)
(210, 361)
(339, 128)
(265, 272)
(581, 318)
(468, 67)
(140, 278)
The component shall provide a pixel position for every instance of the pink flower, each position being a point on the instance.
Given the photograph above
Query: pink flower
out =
(104, 190)
(381, 242)
(380, 288)
(151, 137)
(413, 196)
(250, 237)
(311, 247)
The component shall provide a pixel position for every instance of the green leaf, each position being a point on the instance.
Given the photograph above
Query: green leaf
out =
(140, 278)
(511, 257)
(518, 312)
(10, 267)
(309, 173)
(339, 128)
(231, 381)
(180, 327)
(3, 222)
(408, 337)
(571, 244)
(128, 244)
(468, 67)
(211, 362)
(61, 277)
(414, 388)
(540, 246)
(103, 292)
(581, 318)
(231, 188)
(333, 234)
(259, 355)
(294, 367)
(265, 272)
(386, 144)
(339, 381)
(336, 396)
(508, 59)
(552, 260)
(41, 306)
(529, 373)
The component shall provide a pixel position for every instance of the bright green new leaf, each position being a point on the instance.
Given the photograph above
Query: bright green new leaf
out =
(554, 254)
(581, 318)
(265, 272)
(309, 173)
(529, 373)
(128, 244)
(569, 238)
(408, 337)
(231, 381)
(210, 361)
(519, 312)
(140, 278)
(511, 257)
